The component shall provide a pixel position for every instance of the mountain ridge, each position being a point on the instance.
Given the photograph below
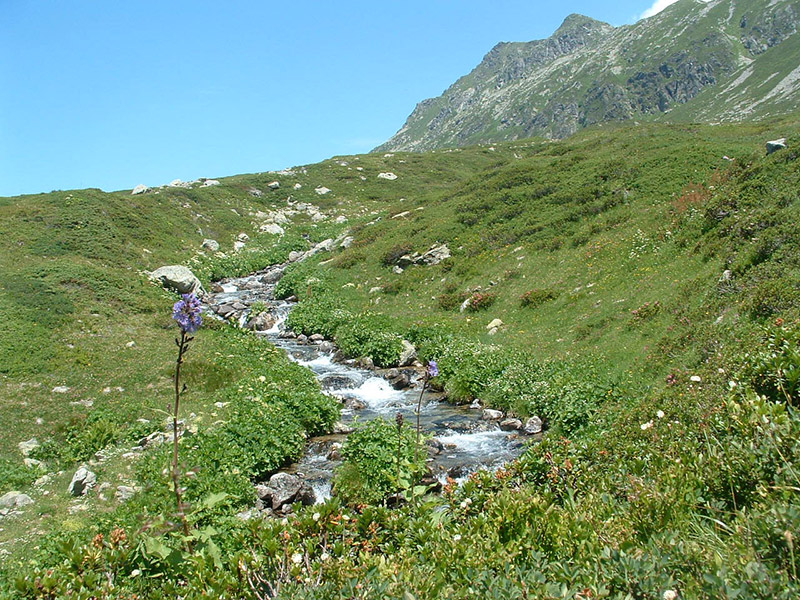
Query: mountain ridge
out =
(722, 60)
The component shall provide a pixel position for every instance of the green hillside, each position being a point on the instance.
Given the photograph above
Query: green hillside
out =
(647, 280)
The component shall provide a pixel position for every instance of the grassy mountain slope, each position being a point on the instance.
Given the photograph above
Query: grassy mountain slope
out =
(637, 271)
(724, 60)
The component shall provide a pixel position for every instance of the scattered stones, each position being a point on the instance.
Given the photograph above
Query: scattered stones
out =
(60, 389)
(212, 245)
(533, 426)
(274, 185)
(82, 481)
(490, 414)
(390, 176)
(775, 145)
(27, 447)
(178, 278)
(237, 246)
(140, 189)
(15, 500)
(124, 493)
(511, 425)
(210, 183)
(322, 190)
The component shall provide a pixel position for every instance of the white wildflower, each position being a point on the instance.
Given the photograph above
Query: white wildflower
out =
(732, 384)
(457, 537)
(297, 558)
(695, 378)
(646, 426)
(670, 595)
(316, 516)
(660, 414)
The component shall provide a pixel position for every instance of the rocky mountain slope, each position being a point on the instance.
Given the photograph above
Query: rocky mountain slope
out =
(707, 61)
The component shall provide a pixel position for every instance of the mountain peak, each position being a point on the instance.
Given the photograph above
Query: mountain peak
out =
(577, 21)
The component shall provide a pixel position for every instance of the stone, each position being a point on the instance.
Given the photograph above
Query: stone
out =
(306, 495)
(326, 347)
(436, 255)
(211, 245)
(397, 270)
(355, 404)
(390, 176)
(60, 389)
(210, 183)
(493, 331)
(341, 428)
(261, 322)
(140, 189)
(375, 289)
(476, 404)
(317, 337)
(340, 220)
(271, 228)
(296, 255)
(178, 278)
(435, 447)
(495, 324)
(775, 145)
(282, 489)
(82, 481)
(347, 242)
(27, 447)
(124, 492)
(511, 424)
(243, 237)
(179, 184)
(408, 355)
(255, 192)
(401, 382)
(302, 338)
(533, 426)
(15, 500)
(31, 463)
(322, 190)
(237, 246)
(297, 186)
(274, 185)
(489, 414)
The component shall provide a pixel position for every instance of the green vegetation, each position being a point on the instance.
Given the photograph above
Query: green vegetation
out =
(651, 316)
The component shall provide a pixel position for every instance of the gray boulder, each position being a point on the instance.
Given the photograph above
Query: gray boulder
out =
(15, 500)
(212, 245)
(178, 278)
(140, 189)
(27, 447)
(533, 426)
(82, 482)
(409, 354)
(510, 424)
(436, 255)
(490, 414)
(283, 488)
(124, 492)
(775, 145)
(261, 322)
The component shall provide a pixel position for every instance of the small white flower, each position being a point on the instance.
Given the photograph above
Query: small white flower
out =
(732, 384)
(135, 573)
(695, 378)
(316, 516)
(324, 556)
(660, 414)
(297, 558)
(464, 504)
(646, 426)
(721, 371)
(670, 595)
(262, 378)
(457, 537)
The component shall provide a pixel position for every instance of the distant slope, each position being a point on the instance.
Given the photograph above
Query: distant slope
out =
(722, 60)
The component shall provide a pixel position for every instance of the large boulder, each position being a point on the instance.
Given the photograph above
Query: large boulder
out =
(140, 189)
(775, 145)
(178, 278)
(261, 322)
(284, 488)
(14, 500)
(436, 255)
(533, 426)
(490, 414)
(82, 482)
(408, 355)
(212, 245)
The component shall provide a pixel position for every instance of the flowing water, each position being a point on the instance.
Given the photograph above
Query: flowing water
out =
(466, 442)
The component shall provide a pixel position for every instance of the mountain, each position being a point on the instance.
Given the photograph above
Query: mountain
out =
(720, 60)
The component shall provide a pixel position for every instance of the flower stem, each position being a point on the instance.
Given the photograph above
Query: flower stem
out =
(182, 345)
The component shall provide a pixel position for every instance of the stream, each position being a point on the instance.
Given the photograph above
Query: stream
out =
(463, 441)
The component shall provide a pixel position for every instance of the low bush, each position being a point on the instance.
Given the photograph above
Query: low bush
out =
(537, 297)
(480, 301)
(369, 334)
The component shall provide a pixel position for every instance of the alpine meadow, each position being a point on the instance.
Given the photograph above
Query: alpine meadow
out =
(542, 343)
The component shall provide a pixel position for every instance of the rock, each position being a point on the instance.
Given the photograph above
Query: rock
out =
(322, 190)
(347, 242)
(212, 245)
(335, 453)
(140, 189)
(31, 463)
(297, 186)
(389, 176)
(179, 184)
(326, 347)
(15, 500)
(216, 288)
(492, 331)
(401, 382)
(340, 220)
(210, 183)
(355, 404)
(510, 424)
(317, 337)
(302, 338)
(306, 495)
(154, 439)
(274, 185)
(366, 362)
(464, 305)
(436, 255)
(178, 278)
(271, 228)
(397, 270)
(775, 145)
(533, 426)
(237, 246)
(495, 324)
(255, 192)
(490, 414)
(82, 481)
(282, 489)
(323, 246)
(43, 480)
(296, 255)
(261, 322)
(435, 447)
(476, 404)
(124, 492)
(27, 447)
(375, 290)
(60, 389)
(341, 428)
(408, 355)
(401, 215)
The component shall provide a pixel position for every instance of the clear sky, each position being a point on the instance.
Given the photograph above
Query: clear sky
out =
(113, 94)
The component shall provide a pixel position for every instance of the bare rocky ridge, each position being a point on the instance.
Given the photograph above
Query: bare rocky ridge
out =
(721, 60)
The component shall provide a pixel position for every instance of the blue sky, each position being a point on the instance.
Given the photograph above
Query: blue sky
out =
(113, 94)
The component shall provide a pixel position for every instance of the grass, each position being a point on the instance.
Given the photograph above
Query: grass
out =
(646, 259)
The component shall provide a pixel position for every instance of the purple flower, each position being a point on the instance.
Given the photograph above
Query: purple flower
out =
(433, 369)
(186, 313)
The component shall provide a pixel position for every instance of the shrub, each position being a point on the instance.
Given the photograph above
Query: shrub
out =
(480, 301)
(370, 335)
(371, 454)
(319, 314)
(537, 297)
(774, 370)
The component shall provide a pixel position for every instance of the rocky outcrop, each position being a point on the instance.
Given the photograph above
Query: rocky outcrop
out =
(283, 489)
(178, 278)
(82, 481)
